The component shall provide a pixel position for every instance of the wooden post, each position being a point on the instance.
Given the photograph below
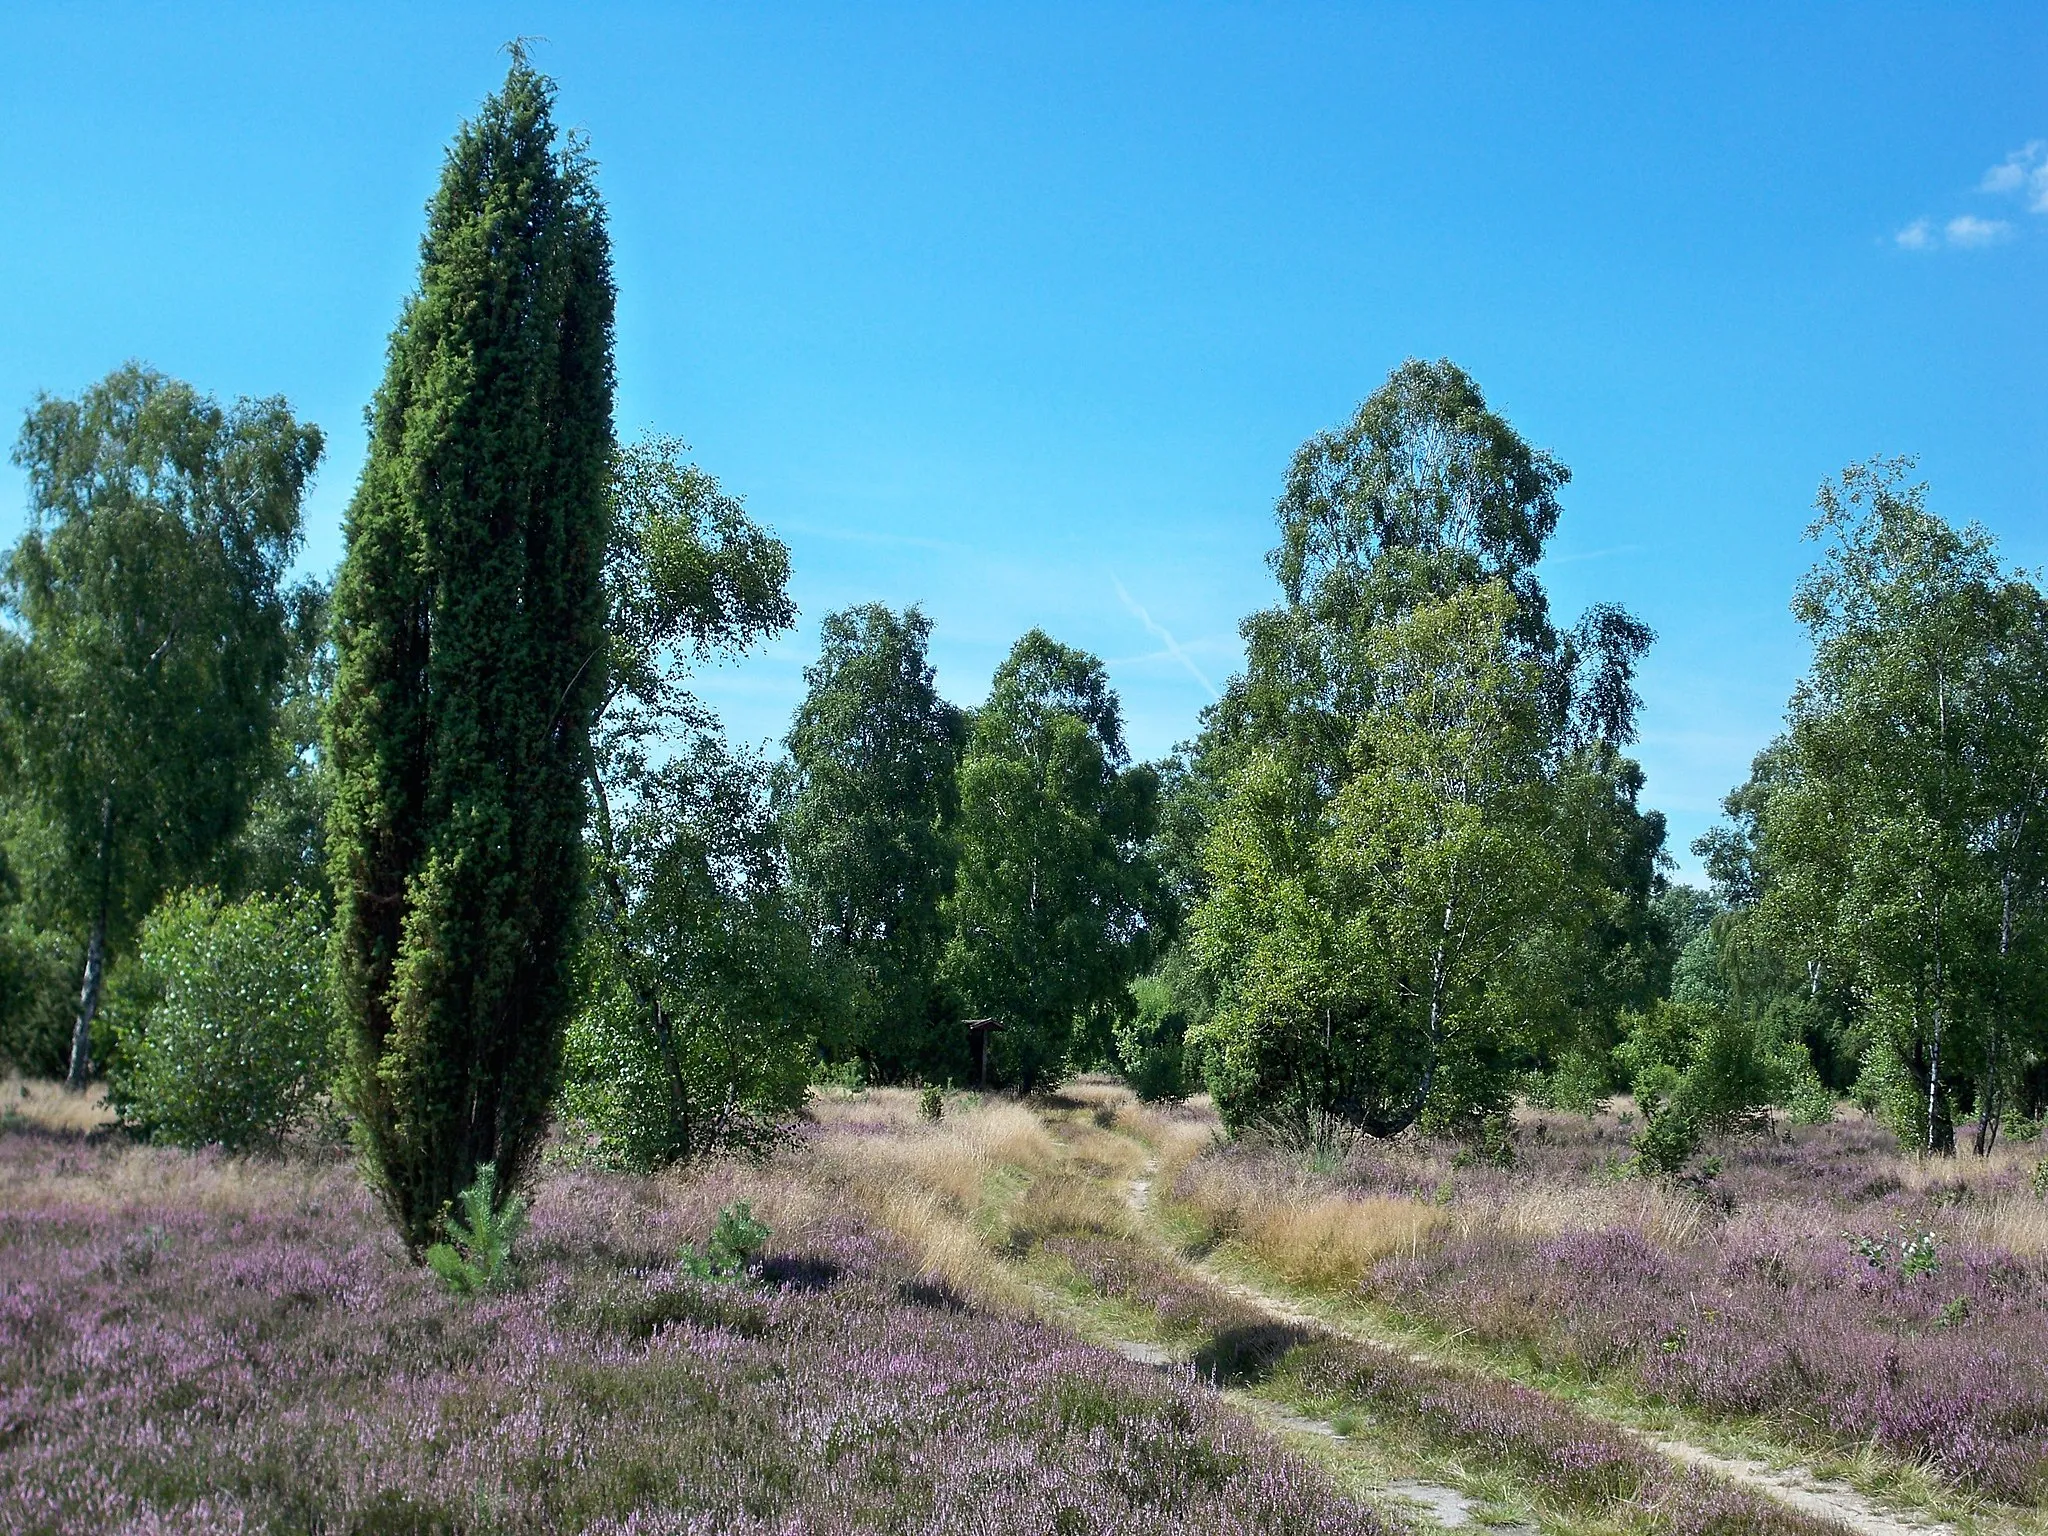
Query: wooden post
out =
(978, 1031)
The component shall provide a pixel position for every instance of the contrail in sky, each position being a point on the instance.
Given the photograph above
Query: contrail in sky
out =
(1165, 637)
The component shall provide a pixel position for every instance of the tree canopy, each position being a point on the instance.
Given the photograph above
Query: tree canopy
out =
(1054, 910)
(1891, 847)
(874, 756)
(154, 631)
(1426, 863)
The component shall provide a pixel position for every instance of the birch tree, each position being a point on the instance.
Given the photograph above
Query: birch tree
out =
(151, 636)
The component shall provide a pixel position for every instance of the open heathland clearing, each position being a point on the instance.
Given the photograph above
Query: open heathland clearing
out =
(1076, 1313)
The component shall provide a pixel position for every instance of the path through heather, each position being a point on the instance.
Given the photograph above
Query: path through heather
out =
(1796, 1487)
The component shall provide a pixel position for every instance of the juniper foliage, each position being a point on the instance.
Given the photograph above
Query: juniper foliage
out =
(470, 651)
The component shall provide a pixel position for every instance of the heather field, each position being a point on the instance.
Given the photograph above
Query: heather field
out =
(192, 1344)
(1076, 1314)
(1820, 1290)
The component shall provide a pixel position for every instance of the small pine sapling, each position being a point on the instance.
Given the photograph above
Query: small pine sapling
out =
(480, 1256)
(736, 1241)
(931, 1103)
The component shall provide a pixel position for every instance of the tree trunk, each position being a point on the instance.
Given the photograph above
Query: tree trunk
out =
(95, 959)
(88, 1003)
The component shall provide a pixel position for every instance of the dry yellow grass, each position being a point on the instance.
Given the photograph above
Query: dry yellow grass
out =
(1067, 1202)
(926, 1180)
(50, 1106)
(1335, 1241)
(2018, 1224)
(1311, 1237)
(1176, 1133)
(877, 1139)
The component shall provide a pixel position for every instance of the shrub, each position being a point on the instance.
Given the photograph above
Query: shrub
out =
(736, 1241)
(1150, 1043)
(1578, 1084)
(38, 997)
(478, 1255)
(931, 1102)
(1699, 1070)
(1885, 1088)
(701, 996)
(222, 1027)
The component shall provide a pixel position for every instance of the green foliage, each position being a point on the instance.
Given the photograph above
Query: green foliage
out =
(1056, 905)
(700, 999)
(222, 1027)
(282, 846)
(931, 1102)
(1151, 1041)
(470, 658)
(735, 1243)
(1373, 963)
(1807, 1100)
(874, 757)
(1490, 1144)
(1886, 1089)
(477, 1255)
(38, 986)
(1696, 977)
(847, 1078)
(1919, 1256)
(150, 638)
(1889, 850)
(1425, 868)
(1578, 1083)
(1699, 1071)
(2038, 1181)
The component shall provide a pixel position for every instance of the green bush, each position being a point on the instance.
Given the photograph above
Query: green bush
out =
(1698, 1070)
(477, 1256)
(1150, 1043)
(38, 997)
(1886, 1089)
(736, 1241)
(1578, 1084)
(221, 1026)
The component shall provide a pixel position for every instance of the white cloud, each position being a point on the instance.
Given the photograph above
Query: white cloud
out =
(1968, 231)
(2022, 174)
(2024, 171)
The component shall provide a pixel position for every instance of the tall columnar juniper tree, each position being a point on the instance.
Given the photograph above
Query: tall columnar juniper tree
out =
(469, 634)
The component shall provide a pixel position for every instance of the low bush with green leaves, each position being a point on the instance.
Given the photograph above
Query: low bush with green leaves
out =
(736, 1241)
(1700, 1070)
(1151, 1042)
(931, 1102)
(477, 1256)
(221, 1025)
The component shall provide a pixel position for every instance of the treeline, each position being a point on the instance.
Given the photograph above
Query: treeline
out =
(454, 853)
(1881, 887)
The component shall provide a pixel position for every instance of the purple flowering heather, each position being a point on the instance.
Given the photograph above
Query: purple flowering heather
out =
(1570, 1459)
(1789, 1297)
(191, 1345)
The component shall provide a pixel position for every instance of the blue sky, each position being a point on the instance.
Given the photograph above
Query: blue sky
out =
(1019, 313)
